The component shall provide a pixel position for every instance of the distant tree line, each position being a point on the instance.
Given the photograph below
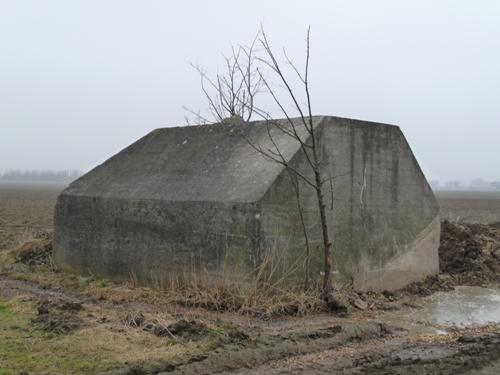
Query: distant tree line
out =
(476, 184)
(39, 176)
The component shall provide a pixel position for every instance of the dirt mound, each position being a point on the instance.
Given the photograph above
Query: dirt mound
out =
(470, 253)
(430, 285)
(37, 251)
(58, 316)
(496, 224)
(187, 330)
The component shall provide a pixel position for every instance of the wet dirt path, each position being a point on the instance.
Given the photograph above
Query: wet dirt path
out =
(395, 356)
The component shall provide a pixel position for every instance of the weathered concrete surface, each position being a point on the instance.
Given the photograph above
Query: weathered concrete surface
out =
(382, 213)
(202, 198)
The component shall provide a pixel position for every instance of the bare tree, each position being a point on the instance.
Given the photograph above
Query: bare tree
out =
(231, 94)
(229, 101)
(309, 144)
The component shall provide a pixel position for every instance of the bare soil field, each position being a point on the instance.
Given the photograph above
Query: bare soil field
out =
(57, 323)
(470, 206)
(25, 209)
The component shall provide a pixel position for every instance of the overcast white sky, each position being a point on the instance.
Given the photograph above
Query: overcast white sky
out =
(80, 80)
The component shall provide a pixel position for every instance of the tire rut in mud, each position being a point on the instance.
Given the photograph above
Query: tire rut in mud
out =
(466, 356)
(255, 351)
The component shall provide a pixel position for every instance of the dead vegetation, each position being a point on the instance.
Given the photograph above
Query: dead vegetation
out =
(37, 251)
(259, 299)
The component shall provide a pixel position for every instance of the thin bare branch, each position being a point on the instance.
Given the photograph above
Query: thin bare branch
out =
(276, 68)
(290, 121)
(200, 119)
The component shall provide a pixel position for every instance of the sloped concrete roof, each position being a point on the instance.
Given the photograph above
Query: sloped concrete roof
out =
(193, 163)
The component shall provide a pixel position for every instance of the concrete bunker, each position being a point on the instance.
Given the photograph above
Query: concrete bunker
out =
(202, 199)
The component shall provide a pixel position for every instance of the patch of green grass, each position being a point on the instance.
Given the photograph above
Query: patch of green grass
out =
(218, 330)
(25, 348)
(3, 309)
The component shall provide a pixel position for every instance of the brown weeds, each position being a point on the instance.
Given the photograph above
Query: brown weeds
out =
(247, 296)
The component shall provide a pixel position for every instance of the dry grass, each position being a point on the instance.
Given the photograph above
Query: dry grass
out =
(261, 299)
(265, 292)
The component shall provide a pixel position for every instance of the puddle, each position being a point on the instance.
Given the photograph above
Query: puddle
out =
(464, 307)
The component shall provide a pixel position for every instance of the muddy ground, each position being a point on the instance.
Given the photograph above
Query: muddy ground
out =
(56, 323)
(362, 343)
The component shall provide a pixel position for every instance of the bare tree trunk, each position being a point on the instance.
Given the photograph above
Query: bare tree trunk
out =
(295, 182)
(327, 279)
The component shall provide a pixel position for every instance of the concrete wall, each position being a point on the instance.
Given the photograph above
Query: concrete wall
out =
(146, 213)
(153, 240)
(382, 214)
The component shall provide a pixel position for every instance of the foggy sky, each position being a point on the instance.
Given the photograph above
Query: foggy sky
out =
(80, 80)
